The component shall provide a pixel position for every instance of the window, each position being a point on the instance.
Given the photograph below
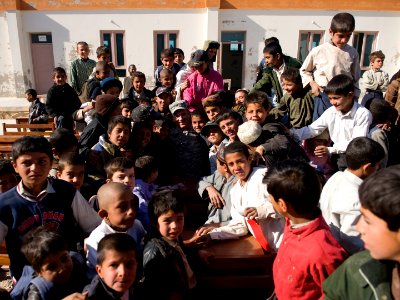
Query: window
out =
(115, 40)
(164, 40)
(307, 41)
(364, 43)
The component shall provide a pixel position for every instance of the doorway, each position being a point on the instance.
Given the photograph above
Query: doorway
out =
(231, 57)
(42, 61)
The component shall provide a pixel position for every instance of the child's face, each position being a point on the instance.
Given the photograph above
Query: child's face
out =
(115, 91)
(126, 112)
(222, 168)
(104, 57)
(83, 51)
(59, 78)
(239, 165)
(102, 74)
(170, 224)
(378, 239)
(119, 135)
(121, 211)
(182, 118)
(57, 267)
(73, 174)
(178, 58)
(342, 103)
(276, 205)
(256, 112)
(138, 84)
(215, 136)
(131, 69)
(290, 87)
(271, 61)
(29, 97)
(230, 128)
(212, 52)
(239, 98)
(7, 182)
(33, 167)
(126, 177)
(143, 137)
(198, 123)
(118, 270)
(340, 39)
(377, 64)
(163, 101)
(166, 80)
(167, 62)
(212, 112)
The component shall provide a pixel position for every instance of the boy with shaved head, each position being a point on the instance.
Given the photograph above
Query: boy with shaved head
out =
(118, 209)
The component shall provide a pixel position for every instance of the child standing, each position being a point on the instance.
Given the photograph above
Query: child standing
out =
(62, 207)
(374, 81)
(308, 252)
(118, 210)
(71, 168)
(165, 265)
(62, 100)
(373, 273)
(116, 269)
(104, 54)
(138, 90)
(82, 67)
(37, 109)
(330, 59)
(128, 80)
(167, 62)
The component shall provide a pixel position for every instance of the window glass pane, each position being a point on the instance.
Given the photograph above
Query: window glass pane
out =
(172, 40)
(234, 47)
(107, 42)
(119, 42)
(160, 46)
(303, 46)
(316, 40)
(369, 41)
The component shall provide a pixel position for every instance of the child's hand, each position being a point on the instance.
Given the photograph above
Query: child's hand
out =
(197, 241)
(321, 151)
(77, 296)
(250, 212)
(184, 85)
(215, 197)
(205, 229)
(315, 88)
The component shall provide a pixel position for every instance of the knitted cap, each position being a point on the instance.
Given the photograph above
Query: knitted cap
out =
(249, 131)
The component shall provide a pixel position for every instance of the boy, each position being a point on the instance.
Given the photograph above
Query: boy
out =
(37, 109)
(297, 103)
(229, 123)
(308, 252)
(162, 101)
(199, 120)
(102, 71)
(54, 272)
(179, 56)
(373, 273)
(167, 62)
(62, 141)
(374, 81)
(240, 97)
(213, 133)
(345, 120)
(62, 100)
(216, 188)
(167, 273)
(104, 54)
(250, 209)
(62, 207)
(118, 210)
(116, 269)
(258, 106)
(128, 80)
(146, 170)
(213, 106)
(127, 107)
(138, 91)
(276, 62)
(339, 201)
(211, 48)
(330, 59)
(71, 168)
(7, 176)
(202, 82)
(167, 79)
(82, 67)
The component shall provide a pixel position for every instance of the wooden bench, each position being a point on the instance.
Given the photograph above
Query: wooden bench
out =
(24, 120)
(26, 129)
(4, 259)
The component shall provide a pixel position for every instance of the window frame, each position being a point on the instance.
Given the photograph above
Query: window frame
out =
(311, 34)
(166, 34)
(113, 46)
(373, 47)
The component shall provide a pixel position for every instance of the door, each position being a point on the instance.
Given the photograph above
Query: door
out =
(232, 57)
(42, 61)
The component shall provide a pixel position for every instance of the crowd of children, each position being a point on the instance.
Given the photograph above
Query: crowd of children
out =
(295, 163)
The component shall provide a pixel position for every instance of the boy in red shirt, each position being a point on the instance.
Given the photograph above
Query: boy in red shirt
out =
(308, 252)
